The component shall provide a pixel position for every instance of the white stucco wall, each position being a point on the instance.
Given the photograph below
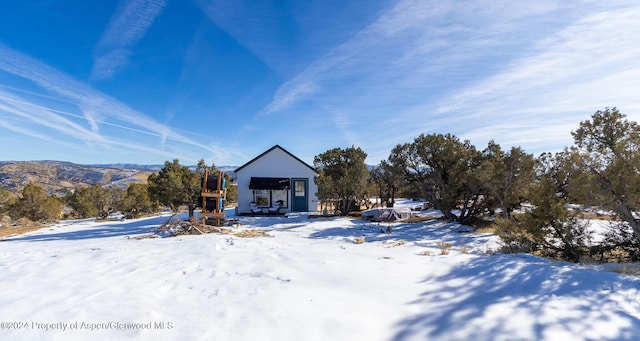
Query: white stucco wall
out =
(275, 164)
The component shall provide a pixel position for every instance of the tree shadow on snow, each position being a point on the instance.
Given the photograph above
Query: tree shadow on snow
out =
(96, 230)
(521, 297)
(430, 231)
(272, 222)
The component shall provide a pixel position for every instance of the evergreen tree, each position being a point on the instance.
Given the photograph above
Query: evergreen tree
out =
(175, 185)
(201, 167)
(388, 179)
(6, 200)
(547, 226)
(136, 201)
(506, 176)
(35, 205)
(442, 168)
(91, 202)
(343, 175)
(607, 151)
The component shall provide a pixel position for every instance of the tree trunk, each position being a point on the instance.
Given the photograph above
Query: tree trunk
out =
(393, 196)
(623, 210)
(627, 215)
(346, 206)
(191, 209)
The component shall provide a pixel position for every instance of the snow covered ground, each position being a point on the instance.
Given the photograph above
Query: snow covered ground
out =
(309, 280)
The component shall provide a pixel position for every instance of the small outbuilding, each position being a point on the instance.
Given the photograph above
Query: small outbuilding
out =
(276, 181)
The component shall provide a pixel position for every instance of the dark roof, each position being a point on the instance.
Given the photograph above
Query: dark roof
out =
(269, 150)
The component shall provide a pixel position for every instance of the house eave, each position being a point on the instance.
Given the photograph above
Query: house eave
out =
(270, 150)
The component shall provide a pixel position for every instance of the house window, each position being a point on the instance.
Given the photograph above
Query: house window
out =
(264, 197)
(280, 195)
(300, 190)
(268, 191)
(261, 197)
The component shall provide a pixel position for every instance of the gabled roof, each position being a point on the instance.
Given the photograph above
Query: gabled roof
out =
(267, 152)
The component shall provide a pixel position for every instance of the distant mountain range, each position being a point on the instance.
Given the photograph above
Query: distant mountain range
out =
(58, 177)
(152, 168)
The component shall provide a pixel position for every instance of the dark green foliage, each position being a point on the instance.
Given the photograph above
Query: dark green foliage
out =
(390, 180)
(6, 200)
(547, 227)
(232, 190)
(442, 168)
(98, 201)
(91, 202)
(342, 175)
(505, 176)
(175, 185)
(201, 167)
(35, 205)
(607, 156)
(136, 201)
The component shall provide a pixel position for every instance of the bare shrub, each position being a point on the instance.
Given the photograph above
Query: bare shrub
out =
(25, 222)
(515, 248)
(399, 243)
(588, 259)
(419, 219)
(617, 255)
(5, 221)
(515, 237)
(445, 247)
(627, 269)
(252, 233)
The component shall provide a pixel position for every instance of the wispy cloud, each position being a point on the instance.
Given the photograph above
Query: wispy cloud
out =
(344, 57)
(127, 26)
(482, 71)
(99, 110)
(39, 116)
(584, 67)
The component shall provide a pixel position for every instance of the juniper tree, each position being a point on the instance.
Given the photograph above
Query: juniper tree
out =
(607, 149)
(342, 175)
(35, 205)
(388, 179)
(506, 176)
(136, 201)
(174, 185)
(442, 168)
(6, 200)
(547, 226)
(91, 202)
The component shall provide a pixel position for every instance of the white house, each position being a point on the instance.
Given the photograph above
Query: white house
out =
(277, 176)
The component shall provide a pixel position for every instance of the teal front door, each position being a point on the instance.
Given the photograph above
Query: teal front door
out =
(300, 202)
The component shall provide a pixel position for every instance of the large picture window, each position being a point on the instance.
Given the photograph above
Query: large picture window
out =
(261, 197)
(280, 195)
(266, 198)
(268, 191)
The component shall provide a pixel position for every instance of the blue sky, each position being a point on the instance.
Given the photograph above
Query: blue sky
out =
(134, 81)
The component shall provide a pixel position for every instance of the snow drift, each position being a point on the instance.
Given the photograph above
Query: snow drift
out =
(307, 280)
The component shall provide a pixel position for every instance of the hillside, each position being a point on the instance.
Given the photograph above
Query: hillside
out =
(58, 177)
